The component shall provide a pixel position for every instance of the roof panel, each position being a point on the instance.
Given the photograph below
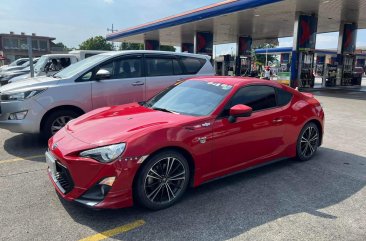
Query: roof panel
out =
(261, 19)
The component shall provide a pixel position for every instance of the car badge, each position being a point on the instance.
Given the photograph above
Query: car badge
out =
(54, 146)
(207, 124)
(202, 140)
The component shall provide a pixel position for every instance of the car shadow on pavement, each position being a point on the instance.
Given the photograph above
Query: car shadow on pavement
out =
(230, 207)
(26, 145)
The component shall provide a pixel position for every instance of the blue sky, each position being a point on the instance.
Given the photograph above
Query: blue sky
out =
(73, 21)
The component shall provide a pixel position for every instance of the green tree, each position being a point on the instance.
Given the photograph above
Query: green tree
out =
(131, 46)
(260, 59)
(167, 48)
(137, 46)
(61, 46)
(96, 43)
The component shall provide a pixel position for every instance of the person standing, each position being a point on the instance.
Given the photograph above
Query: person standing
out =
(267, 73)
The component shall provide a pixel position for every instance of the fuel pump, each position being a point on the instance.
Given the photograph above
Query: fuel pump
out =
(307, 78)
(330, 75)
(245, 66)
(348, 65)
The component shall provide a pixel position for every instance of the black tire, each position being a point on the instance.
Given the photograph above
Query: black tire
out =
(47, 130)
(171, 191)
(307, 142)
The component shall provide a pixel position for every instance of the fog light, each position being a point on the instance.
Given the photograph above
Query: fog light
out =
(108, 181)
(18, 115)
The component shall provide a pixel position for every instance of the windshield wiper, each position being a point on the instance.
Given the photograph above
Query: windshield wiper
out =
(162, 109)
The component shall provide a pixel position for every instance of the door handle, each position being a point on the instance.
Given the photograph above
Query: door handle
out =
(277, 120)
(138, 83)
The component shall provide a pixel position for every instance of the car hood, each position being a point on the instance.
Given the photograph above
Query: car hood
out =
(29, 84)
(116, 124)
(11, 68)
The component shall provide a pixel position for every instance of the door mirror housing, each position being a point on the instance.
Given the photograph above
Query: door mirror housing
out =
(103, 74)
(239, 111)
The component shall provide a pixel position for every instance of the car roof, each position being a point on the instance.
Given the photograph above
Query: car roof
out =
(59, 55)
(123, 52)
(235, 81)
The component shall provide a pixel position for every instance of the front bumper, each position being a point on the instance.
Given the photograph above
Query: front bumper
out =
(86, 174)
(30, 124)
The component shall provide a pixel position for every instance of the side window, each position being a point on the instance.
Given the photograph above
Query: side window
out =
(65, 62)
(192, 65)
(159, 66)
(283, 97)
(107, 66)
(89, 55)
(128, 68)
(258, 97)
(87, 76)
(177, 67)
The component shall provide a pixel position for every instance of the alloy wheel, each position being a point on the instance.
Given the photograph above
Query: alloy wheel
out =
(165, 180)
(59, 122)
(309, 142)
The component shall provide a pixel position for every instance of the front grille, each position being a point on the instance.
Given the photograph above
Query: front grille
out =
(64, 178)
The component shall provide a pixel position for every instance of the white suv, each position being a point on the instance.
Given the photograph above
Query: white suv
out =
(46, 104)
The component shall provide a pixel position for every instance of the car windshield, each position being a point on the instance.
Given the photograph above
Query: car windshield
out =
(41, 62)
(191, 97)
(81, 66)
(25, 64)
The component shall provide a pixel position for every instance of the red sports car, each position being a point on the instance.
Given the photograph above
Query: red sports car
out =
(189, 134)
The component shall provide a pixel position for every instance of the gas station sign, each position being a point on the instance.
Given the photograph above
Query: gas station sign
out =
(349, 38)
(152, 45)
(285, 58)
(307, 28)
(245, 46)
(204, 43)
(187, 48)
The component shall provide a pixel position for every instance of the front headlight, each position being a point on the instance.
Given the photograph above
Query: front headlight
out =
(21, 95)
(105, 154)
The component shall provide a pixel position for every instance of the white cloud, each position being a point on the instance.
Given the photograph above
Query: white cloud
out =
(108, 1)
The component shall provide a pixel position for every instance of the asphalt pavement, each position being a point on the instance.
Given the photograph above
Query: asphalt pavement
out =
(322, 199)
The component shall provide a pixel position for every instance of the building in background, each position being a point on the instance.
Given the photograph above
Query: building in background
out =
(14, 46)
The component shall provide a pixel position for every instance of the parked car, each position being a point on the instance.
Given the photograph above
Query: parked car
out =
(17, 62)
(7, 76)
(45, 104)
(193, 132)
(83, 54)
(64, 60)
(17, 67)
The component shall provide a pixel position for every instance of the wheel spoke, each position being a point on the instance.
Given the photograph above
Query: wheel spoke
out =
(150, 176)
(169, 166)
(314, 138)
(170, 190)
(155, 192)
(311, 149)
(167, 191)
(177, 175)
(305, 149)
(155, 173)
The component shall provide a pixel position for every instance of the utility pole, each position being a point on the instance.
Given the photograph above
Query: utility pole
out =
(30, 54)
(112, 30)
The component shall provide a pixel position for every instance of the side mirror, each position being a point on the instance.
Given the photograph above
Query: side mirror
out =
(102, 74)
(239, 111)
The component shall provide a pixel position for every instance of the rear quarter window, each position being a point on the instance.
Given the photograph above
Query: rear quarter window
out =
(283, 97)
(192, 65)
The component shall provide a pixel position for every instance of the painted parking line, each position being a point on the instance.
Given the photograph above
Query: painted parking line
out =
(115, 231)
(21, 159)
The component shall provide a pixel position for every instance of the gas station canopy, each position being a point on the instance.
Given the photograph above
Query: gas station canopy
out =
(260, 19)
